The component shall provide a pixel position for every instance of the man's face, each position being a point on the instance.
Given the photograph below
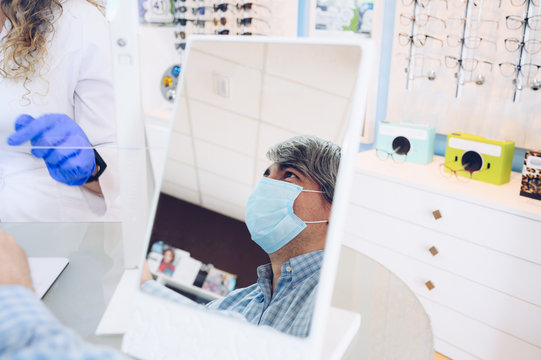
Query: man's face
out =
(307, 206)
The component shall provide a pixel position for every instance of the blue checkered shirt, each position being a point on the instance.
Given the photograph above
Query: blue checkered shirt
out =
(29, 331)
(289, 309)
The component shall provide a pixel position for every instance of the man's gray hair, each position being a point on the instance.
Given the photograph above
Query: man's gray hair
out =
(316, 158)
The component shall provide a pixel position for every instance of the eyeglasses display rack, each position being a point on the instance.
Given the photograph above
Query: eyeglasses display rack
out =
(522, 61)
(215, 17)
(479, 60)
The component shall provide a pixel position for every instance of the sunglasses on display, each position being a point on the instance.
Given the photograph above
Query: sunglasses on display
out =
(250, 5)
(249, 33)
(221, 21)
(200, 10)
(226, 32)
(181, 21)
(531, 46)
(468, 64)
(248, 21)
(418, 40)
(201, 22)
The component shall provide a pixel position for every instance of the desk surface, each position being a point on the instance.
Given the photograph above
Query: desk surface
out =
(80, 295)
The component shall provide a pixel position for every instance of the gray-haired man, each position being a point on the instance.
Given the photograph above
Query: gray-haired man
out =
(287, 214)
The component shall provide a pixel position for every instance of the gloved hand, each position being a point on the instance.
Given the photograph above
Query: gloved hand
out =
(64, 147)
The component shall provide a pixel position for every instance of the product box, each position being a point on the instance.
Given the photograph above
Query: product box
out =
(531, 175)
(482, 159)
(406, 142)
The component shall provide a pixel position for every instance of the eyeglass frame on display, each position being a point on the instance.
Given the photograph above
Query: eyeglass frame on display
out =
(460, 63)
(444, 166)
(478, 22)
(523, 22)
(422, 56)
(431, 75)
(524, 2)
(522, 44)
(391, 155)
(464, 41)
(419, 3)
(411, 39)
(416, 19)
(518, 69)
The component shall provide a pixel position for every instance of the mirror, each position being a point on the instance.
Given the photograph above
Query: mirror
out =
(238, 99)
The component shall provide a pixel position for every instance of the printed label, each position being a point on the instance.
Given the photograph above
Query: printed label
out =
(534, 162)
(482, 148)
(410, 133)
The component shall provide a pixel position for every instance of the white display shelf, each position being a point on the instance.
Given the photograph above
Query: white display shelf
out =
(202, 293)
(429, 178)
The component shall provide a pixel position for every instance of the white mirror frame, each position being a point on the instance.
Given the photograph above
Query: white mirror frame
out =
(205, 335)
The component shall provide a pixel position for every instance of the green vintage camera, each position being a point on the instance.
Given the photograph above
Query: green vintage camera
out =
(479, 158)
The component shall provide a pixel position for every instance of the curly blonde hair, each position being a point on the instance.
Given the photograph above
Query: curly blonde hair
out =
(24, 45)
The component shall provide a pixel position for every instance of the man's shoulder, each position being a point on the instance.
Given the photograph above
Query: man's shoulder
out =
(238, 297)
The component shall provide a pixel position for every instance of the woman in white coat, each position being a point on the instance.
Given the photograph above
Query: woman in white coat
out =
(57, 124)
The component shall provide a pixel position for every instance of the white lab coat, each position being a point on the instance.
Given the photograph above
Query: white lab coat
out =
(76, 79)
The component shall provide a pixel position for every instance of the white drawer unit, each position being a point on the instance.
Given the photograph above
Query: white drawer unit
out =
(471, 252)
(463, 219)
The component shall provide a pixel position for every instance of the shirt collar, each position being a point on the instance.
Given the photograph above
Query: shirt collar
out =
(299, 268)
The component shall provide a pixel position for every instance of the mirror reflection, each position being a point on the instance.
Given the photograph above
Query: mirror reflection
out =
(248, 183)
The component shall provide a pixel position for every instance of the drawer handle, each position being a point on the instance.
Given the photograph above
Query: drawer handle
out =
(433, 251)
(437, 214)
(430, 285)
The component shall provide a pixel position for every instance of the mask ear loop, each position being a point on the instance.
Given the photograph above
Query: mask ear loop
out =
(320, 221)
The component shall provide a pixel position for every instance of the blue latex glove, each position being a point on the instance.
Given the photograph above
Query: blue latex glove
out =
(74, 162)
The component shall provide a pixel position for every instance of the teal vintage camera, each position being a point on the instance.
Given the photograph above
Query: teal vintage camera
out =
(405, 142)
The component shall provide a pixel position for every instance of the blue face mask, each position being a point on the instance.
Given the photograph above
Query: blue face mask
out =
(269, 214)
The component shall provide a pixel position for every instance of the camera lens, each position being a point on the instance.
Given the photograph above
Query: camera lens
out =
(401, 145)
(472, 161)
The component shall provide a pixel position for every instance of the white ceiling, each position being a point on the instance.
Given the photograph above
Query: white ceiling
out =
(276, 91)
